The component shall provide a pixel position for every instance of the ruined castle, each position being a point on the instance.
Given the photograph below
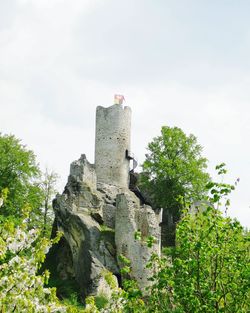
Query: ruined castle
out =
(99, 215)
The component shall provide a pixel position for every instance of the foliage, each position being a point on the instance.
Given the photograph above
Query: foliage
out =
(18, 172)
(26, 185)
(47, 185)
(174, 167)
(66, 289)
(129, 299)
(21, 254)
(101, 301)
(208, 271)
(110, 279)
(73, 306)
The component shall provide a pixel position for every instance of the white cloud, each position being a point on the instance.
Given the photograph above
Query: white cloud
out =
(60, 59)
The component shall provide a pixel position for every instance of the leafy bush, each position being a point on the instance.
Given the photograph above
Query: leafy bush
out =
(208, 271)
(21, 254)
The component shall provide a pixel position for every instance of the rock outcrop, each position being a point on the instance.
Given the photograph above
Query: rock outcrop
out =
(79, 215)
(99, 216)
(132, 219)
(98, 225)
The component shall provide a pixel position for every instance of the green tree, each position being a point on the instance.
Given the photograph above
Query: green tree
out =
(19, 173)
(174, 173)
(208, 270)
(48, 187)
(22, 251)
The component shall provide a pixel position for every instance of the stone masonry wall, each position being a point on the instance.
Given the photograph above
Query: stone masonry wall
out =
(111, 142)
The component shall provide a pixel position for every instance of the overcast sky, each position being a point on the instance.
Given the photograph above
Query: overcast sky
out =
(178, 63)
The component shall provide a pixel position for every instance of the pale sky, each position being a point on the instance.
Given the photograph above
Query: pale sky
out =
(178, 63)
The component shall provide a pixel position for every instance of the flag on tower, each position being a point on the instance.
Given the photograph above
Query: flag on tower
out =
(118, 99)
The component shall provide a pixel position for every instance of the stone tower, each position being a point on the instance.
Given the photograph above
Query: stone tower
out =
(99, 215)
(112, 145)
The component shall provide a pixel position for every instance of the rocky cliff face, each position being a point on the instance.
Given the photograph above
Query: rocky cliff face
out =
(98, 225)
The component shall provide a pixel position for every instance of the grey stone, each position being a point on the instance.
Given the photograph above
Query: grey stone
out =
(112, 141)
(83, 171)
(109, 215)
(99, 216)
(79, 216)
(131, 218)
